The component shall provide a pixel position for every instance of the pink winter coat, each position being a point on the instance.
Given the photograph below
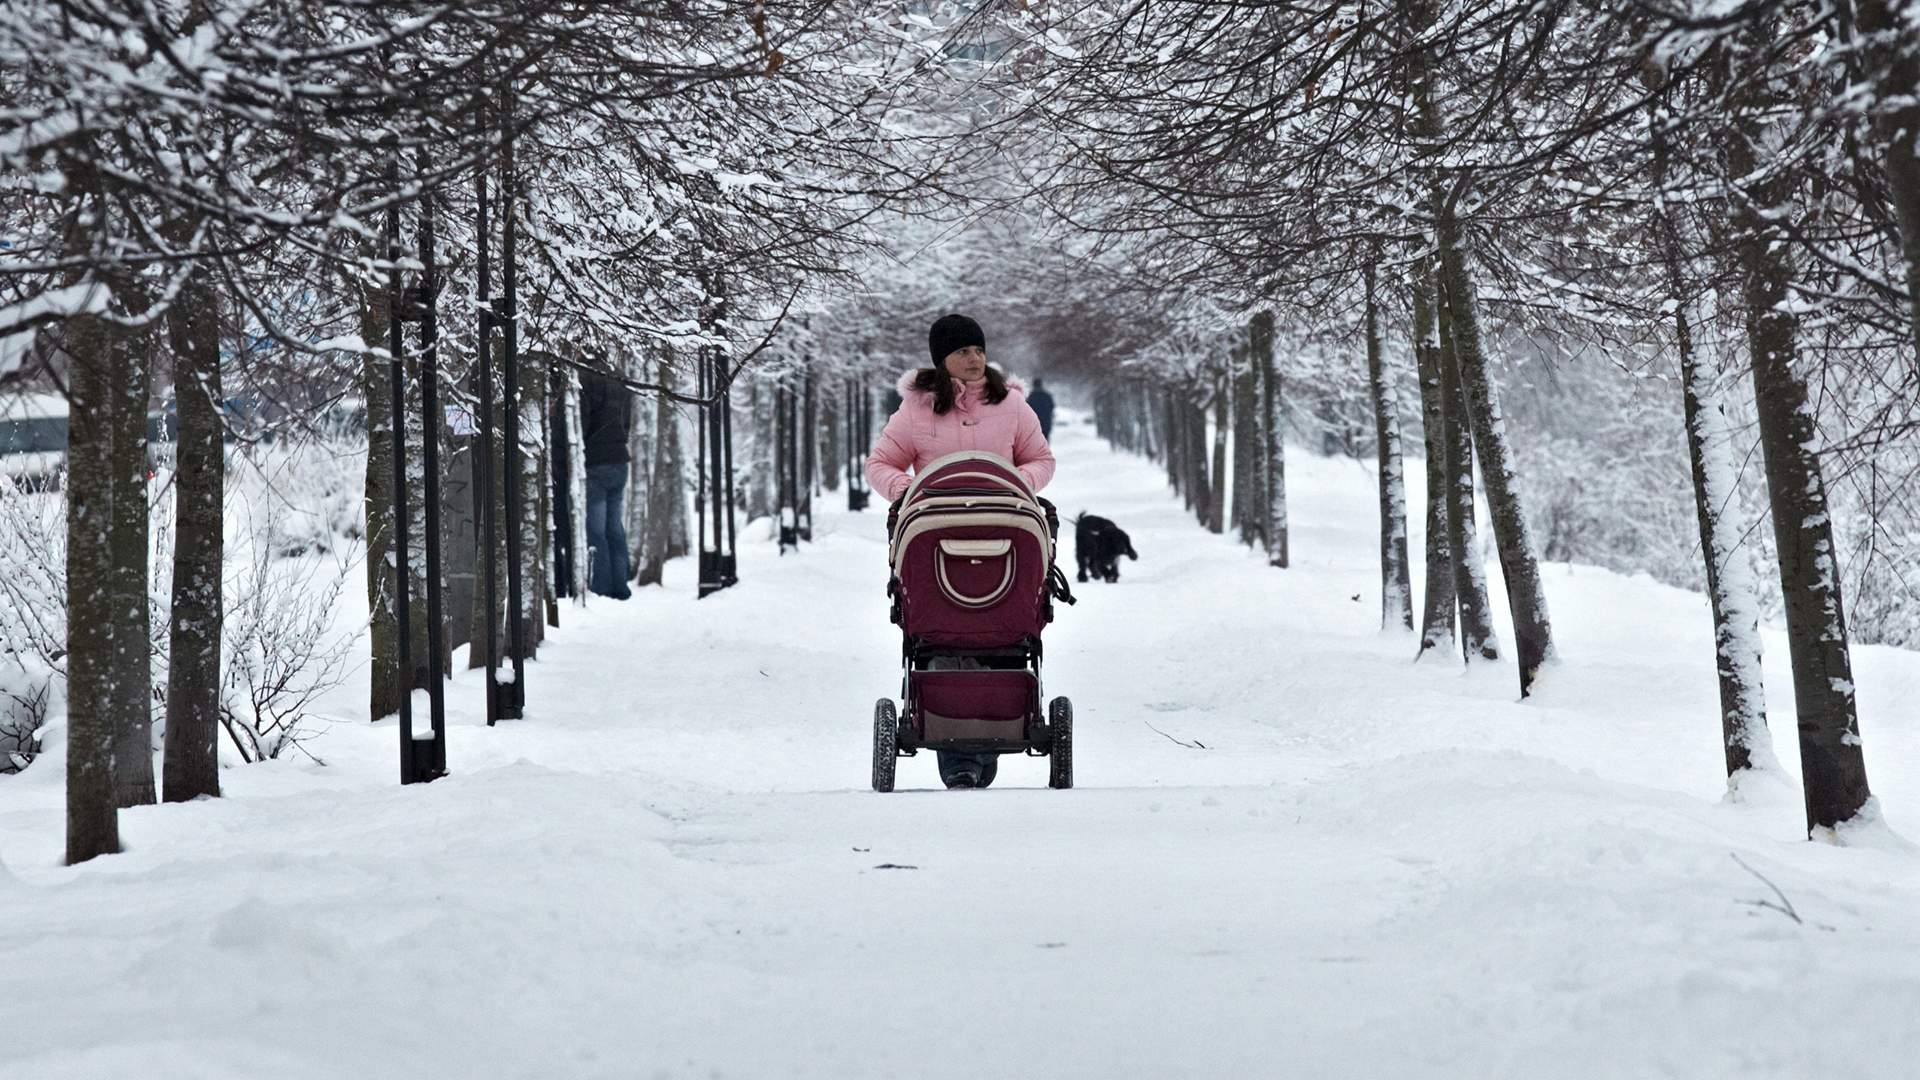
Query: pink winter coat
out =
(915, 437)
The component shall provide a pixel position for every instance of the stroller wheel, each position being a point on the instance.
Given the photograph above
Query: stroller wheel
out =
(886, 743)
(1060, 753)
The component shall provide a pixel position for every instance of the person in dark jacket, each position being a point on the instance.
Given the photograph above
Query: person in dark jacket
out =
(1041, 403)
(606, 420)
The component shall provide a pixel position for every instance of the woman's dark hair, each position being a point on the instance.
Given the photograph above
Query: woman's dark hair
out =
(936, 381)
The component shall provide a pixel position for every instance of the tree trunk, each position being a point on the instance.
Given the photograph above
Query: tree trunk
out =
(642, 443)
(535, 578)
(415, 426)
(1526, 595)
(1437, 615)
(1396, 586)
(1730, 590)
(1247, 517)
(549, 505)
(1216, 504)
(680, 516)
(1181, 415)
(191, 765)
(1891, 51)
(132, 687)
(92, 813)
(662, 489)
(830, 439)
(1197, 479)
(1736, 612)
(760, 479)
(1477, 637)
(383, 628)
(568, 386)
(1173, 443)
(1833, 768)
(483, 613)
(809, 461)
(1273, 446)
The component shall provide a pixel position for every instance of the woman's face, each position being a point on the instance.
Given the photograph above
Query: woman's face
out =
(968, 364)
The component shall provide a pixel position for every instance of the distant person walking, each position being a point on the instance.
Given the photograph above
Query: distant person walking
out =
(1042, 404)
(606, 420)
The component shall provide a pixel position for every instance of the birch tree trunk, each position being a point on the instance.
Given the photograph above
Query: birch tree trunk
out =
(1437, 614)
(190, 766)
(577, 485)
(1730, 589)
(536, 576)
(1396, 586)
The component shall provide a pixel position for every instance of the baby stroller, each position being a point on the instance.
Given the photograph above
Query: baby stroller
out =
(973, 584)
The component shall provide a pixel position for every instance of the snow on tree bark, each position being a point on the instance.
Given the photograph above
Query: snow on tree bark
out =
(1217, 503)
(760, 429)
(131, 692)
(1246, 434)
(190, 766)
(1477, 636)
(536, 517)
(1832, 765)
(1889, 48)
(1730, 589)
(663, 489)
(92, 814)
(1273, 444)
(641, 446)
(495, 614)
(383, 625)
(1396, 586)
(1526, 595)
(577, 485)
(1437, 614)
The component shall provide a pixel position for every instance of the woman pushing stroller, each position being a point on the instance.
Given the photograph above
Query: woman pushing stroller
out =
(957, 405)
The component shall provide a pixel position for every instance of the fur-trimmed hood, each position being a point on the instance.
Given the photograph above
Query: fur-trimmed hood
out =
(1015, 385)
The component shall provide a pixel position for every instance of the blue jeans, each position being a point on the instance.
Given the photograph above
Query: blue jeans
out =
(607, 529)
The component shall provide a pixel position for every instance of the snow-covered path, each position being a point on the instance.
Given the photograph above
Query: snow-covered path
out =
(673, 866)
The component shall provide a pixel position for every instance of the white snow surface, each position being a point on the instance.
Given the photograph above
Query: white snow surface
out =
(673, 867)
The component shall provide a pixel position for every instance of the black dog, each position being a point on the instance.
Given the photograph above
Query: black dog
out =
(1098, 545)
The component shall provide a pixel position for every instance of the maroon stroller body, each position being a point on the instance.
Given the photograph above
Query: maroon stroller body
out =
(973, 582)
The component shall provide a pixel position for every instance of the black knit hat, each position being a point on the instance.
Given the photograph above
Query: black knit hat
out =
(952, 332)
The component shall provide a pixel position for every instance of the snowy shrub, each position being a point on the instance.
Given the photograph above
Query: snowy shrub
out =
(33, 616)
(318, 485)
(279, 652)
(293, 514)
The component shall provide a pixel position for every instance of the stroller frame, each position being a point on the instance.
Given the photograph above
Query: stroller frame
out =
(984, 698)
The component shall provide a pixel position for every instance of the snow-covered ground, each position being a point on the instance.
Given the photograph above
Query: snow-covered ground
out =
(1355, 867)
